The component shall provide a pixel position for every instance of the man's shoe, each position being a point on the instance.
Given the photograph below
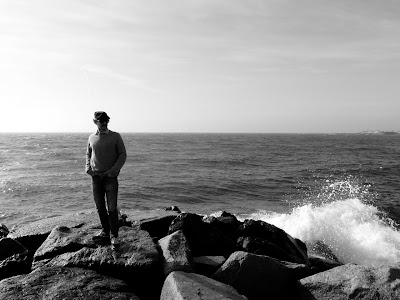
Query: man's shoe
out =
(115, 242)
(102, 236)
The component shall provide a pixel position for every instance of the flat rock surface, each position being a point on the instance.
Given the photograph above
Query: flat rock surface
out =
(352, 281)
(73, 247)
(181, 285)
(44, 226)
(145, 215)
(213, 261)
(87, 217)
(64, 283)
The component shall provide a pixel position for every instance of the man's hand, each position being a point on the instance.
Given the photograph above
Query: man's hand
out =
(90, 172)
(110, 173)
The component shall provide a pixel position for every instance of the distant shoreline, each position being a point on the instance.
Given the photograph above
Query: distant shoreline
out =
(368, 132)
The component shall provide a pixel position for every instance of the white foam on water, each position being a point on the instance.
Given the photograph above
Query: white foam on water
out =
(355, 231)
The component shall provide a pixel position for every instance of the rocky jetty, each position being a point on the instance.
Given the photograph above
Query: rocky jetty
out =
(176, 255)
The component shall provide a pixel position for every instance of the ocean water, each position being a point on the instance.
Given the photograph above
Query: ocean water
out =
(342, 189)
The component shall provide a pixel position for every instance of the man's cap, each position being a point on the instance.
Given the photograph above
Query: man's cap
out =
(101, 116)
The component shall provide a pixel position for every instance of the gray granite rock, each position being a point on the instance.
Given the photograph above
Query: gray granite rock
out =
(73, 247)
(352, 281)
(64, 283)
(181, 285)
(260, 277)
(203, 237)
(176, 253)
(33, 234)
(262, 238)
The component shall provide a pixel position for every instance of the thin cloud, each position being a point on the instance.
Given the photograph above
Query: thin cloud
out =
(122, 78)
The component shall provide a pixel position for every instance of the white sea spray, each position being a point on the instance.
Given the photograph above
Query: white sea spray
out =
(354, 231)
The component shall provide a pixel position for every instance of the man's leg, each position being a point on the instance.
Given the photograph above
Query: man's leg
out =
(112, 196)
(99, 192)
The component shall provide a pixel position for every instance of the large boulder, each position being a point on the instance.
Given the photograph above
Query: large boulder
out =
(181, 285)
(261, 246)
(225, 222)
(176, 253)
(352, 281)
(33, 234)
(203, 238)
(64, 283)
(137, 255)
(262, 238)
(14, 259)
(260, 277)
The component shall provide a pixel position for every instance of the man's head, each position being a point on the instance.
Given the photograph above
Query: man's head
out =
(101, 116)
(101, 119)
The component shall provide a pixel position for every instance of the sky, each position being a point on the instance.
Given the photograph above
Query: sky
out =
(264, 66)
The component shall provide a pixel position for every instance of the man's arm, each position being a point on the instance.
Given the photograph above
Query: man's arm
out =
(121, 152)
(88, 167)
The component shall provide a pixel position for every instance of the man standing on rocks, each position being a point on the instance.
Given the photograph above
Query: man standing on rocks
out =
(105, 156)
